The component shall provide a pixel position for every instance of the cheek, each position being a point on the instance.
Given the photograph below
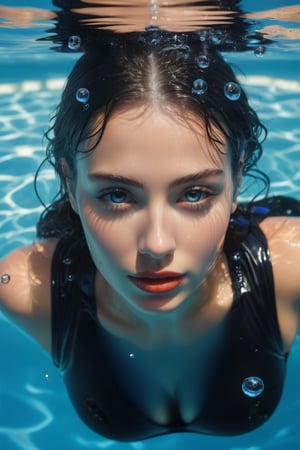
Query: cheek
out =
(107, 239)
(216, 229)
(204, 239)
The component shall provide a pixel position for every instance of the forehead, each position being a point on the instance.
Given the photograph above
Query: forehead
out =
(151, 135)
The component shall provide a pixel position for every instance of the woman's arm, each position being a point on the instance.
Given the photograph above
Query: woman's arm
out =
(283, 235)
(25, 290)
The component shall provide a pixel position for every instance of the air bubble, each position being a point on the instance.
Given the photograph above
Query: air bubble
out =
(131, 355)
(70, 277)
(202, 61)
(67, 261)
(199, 86)
(253, 386)
(232, 91)
(236, 256)
(74, 42)
(260, 51)
(5, 278)
(83, 95)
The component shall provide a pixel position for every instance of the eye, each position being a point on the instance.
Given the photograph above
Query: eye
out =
(116, 199)
(194, 195)
(117, 196)
(197, 199)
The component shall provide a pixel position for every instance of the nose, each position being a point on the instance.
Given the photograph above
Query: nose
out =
(156, 238)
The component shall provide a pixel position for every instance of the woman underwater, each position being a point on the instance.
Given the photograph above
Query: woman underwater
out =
(166, 305)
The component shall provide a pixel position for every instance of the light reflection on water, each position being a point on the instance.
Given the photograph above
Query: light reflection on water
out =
(35, 413)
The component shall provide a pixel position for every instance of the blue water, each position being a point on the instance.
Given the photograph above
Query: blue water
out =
(35, 412)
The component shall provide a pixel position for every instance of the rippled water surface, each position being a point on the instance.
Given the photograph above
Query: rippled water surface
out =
(35, 412)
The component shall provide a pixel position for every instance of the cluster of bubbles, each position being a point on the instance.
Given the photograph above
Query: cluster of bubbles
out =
(5, 278)
(67, 262)
(232, 90)
(200, 84)
(253, 386)
(75, 42)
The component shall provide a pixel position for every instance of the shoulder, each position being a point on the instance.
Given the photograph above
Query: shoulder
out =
(25, 293)
(283, 237)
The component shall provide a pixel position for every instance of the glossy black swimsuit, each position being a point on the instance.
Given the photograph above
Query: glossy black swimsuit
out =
(252, 346)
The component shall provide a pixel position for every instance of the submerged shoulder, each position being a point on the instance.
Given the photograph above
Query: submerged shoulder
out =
(25, 290)
(283, 236)
(280, 226)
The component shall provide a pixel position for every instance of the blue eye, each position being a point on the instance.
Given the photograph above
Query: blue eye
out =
(116, 196)
(194, 196)
(116, 199)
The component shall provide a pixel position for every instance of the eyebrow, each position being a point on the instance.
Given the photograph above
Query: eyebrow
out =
(114, 178)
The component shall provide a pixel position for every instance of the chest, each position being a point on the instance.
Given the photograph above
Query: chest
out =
(121, 389)
(168, 383)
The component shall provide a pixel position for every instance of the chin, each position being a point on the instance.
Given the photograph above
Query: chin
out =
(159, 304)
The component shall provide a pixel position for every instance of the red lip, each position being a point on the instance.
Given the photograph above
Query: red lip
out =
(160, 282)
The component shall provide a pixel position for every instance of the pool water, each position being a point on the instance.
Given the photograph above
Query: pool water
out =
(35, 412)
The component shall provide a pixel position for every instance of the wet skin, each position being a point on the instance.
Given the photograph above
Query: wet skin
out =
(154, 196)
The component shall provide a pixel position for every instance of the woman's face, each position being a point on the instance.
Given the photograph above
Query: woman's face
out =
(154, 199)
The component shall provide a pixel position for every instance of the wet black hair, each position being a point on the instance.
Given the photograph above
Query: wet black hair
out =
(134, 72)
